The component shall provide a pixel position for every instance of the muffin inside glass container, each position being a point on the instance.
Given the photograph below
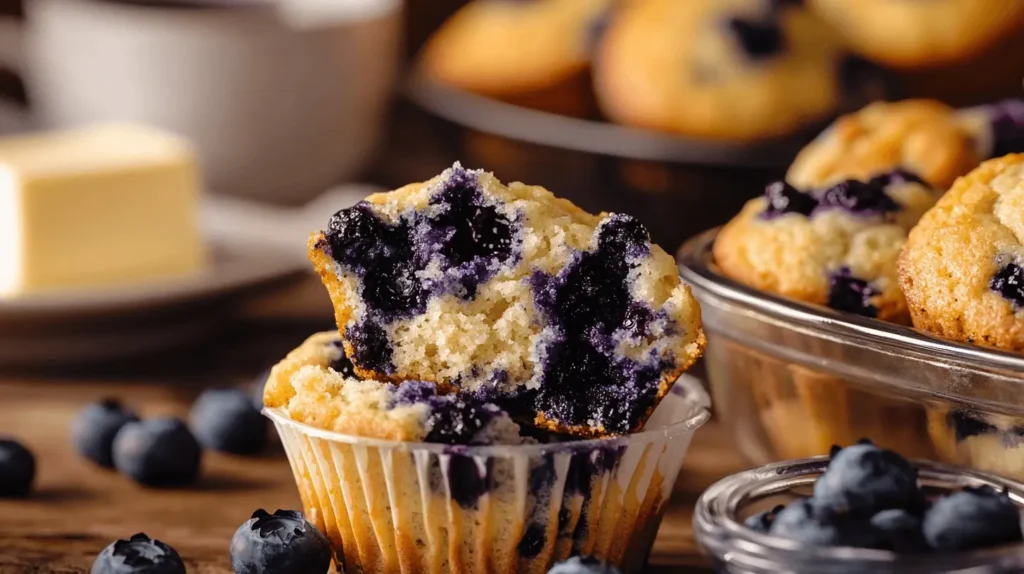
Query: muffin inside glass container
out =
(736, 548)
(903, 389)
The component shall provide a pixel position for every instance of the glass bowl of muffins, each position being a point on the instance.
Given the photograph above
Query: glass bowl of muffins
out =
(874, 293)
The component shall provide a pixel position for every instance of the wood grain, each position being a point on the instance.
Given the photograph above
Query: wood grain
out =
(77, 508)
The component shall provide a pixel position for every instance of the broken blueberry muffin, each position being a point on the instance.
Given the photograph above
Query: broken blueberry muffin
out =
(575, 322)
(316, 385)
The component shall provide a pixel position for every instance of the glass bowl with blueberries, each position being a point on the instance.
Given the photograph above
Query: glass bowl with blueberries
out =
(789, 379)
(863, 508)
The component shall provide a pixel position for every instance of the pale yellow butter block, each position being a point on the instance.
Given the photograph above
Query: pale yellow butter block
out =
(96, 207)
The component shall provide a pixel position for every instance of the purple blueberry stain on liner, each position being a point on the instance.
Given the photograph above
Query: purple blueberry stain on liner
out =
(1008, 282)
(851, 294)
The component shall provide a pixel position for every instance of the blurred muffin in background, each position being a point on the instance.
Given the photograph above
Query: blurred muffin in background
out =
(727, 69)
(910, 34)
(532, 53)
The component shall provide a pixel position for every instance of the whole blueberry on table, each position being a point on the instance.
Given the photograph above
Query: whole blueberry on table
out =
(972, 518)
(139, 554)
(94, 430)
(226, 420)
(900, 531)
(157, 452)
(280, 542)
(811, 523)
(583, 565)
(866, 479)
(17, 469)
(762, 522)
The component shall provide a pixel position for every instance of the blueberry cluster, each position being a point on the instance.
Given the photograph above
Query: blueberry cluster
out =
(1008, 282)
(468, 238)
(853, 196)
(870, 498)
(265, 544)
(166, 452)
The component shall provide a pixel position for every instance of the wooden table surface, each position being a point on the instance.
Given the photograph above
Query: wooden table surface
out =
(77, 508)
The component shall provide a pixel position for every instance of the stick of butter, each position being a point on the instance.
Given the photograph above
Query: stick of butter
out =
(97, 207)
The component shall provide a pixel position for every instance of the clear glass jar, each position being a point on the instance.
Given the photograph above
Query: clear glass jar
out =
(736, 549)
(771, 361)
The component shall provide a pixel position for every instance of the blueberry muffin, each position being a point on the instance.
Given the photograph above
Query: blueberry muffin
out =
(424, 482)
(961, 269)
(923, 137)
(534, 52)
(834, 246)
(316, 385)
(910, 34)
(572, 321)
(729, 69)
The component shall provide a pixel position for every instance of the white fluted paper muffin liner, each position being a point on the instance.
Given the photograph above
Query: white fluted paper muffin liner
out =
(400, 507)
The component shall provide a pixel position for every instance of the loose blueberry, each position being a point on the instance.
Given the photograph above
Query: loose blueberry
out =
(225, 420)
(157, 452)
(583, 565)
(783, 198)
(759, 39)
(865, 479)
(280, 542)
(972, 518)
(814, 524)
(17, 469)
(900, 530)
(762, 522)
(1009, 282)
(139, 554)
(94, 430)
(850, 294)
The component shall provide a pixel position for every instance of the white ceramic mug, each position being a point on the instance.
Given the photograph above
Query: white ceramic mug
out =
(282, 99)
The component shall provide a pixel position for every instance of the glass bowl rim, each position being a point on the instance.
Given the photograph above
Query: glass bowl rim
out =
(713, 515)
(698, 413)
(697, 268)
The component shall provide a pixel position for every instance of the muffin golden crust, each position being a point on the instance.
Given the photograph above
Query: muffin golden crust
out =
(918, 34)
(835, 246)
(729, 69)
(509, 291)
(503, 47)
(922, 136)
(315, 385)
(961, 269)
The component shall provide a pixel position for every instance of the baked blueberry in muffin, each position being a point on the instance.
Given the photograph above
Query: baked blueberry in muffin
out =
(835, 245)
(573, 321)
